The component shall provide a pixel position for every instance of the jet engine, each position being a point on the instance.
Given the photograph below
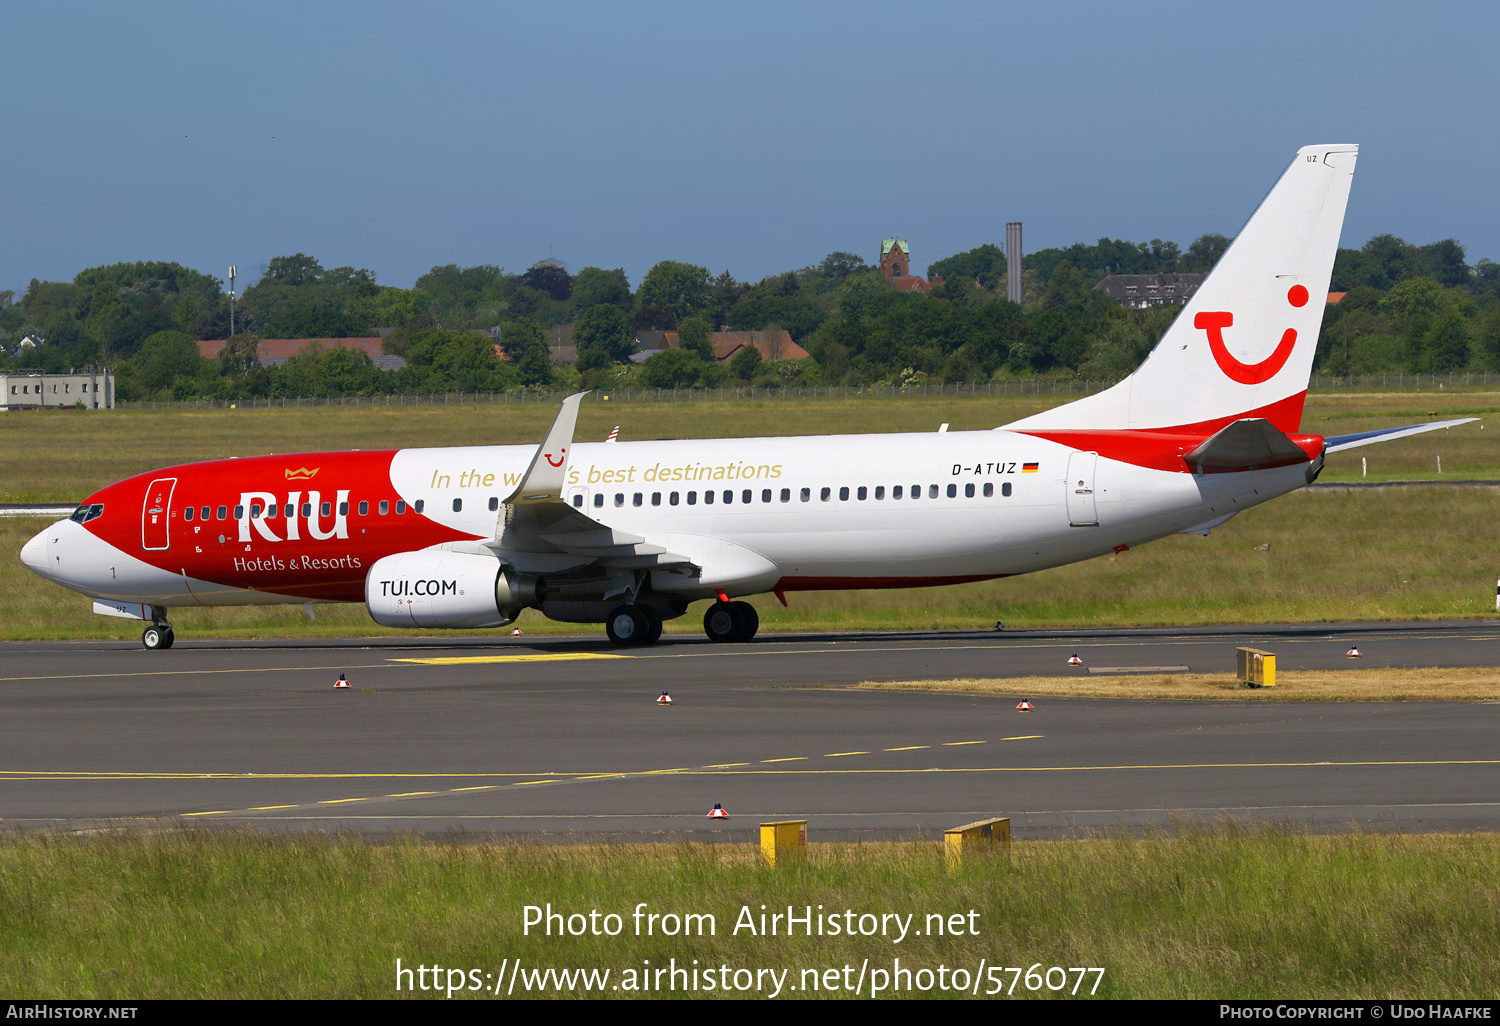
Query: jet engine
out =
(439, 588)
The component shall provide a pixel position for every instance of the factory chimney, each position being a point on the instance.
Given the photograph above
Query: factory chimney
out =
(1013, 261)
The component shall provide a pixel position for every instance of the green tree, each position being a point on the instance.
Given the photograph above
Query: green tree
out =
(672, 368)
(681, 289)
(163, 357)
(693, 336)
(746, 363)
(1204, 253)
(606, 330)
(593, 287)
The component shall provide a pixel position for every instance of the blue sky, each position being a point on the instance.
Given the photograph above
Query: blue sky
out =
(753, 138)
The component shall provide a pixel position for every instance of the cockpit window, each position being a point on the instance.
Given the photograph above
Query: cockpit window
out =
(86, 512)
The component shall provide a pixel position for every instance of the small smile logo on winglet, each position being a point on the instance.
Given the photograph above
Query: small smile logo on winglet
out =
(301, 474)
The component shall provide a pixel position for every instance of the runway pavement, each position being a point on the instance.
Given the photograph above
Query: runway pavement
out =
(562, 735)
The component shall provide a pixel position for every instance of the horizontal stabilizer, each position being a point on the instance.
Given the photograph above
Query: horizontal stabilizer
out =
(1245, 445)
(1339, 443)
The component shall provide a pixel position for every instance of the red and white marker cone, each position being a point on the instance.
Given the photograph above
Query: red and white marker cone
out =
(1353, 652)
(1073, 660)
(1025, 705)
(342, 682)
(717, 812)
(665, 699)
(516, 633)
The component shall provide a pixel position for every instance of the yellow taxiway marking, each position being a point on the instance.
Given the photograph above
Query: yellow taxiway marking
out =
(1024, 737)
(527, 783)
(835, 755)
(541, 657)
(264, 808)
(412, 794)
(790, 758)
(952, 744)
(340, 801)
(908, 748)
(727, 765)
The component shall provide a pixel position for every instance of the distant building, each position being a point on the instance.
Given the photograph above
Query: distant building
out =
(273, 352)
(33, 391)
(1139, 291)
(773, 345)
(895, 264)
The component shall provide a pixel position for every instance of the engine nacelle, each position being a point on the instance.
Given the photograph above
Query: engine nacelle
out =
(438, 588)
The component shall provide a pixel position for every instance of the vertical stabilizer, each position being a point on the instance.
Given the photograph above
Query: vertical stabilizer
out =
(1243, 345)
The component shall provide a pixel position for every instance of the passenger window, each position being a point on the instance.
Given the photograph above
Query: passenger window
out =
(656, 498)
(968, 491)
(896, 492)
(708, 498)
(619, 498)
(692, 498)
(272, 510)
(187, 514)
(729, 496)
(880, 491)
(343, 509)
(239, 512)
(1005, 489)
(673, 498)
(326, 509)
(458, 505)
(786, 495)
(307, 509)
(825, 493)
(806, 494)
(765, 495)
(844, 494)
(916, 491)
(400, 506)
(203, 514)
(636, 499)
(863, 493)
(953, 491)
(578, 502)
(599, 500)
(495, 503)
(289, 511)
(932, 491)
(989, 489)
(418, 505)
(364, 508)
(255, 510)
(385, 506)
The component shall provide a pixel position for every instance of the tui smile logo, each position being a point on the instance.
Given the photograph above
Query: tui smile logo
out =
(302, 474)
(562, 454)
(1214, 322)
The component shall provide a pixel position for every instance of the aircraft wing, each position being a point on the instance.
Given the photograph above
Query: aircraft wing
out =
(538, 532)
(1338, 443)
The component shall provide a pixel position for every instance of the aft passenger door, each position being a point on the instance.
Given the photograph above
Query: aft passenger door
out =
(155, 512)
(1082, 510)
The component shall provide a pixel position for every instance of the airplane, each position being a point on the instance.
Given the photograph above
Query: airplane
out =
(629, 534)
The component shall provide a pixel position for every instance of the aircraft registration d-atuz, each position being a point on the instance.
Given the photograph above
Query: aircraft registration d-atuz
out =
(630, 533)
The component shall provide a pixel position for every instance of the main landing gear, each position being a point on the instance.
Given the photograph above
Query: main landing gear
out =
(159, 635)
(633, 625)
(731, 621)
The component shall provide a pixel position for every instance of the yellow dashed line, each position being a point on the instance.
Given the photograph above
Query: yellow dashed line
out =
(727, 765)
(954, 744)
(541, 657)
(792, 758)
(908, 748)
(527, 783)
(835, 755)
(411, 794)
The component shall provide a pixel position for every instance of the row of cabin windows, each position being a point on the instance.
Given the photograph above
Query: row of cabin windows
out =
(67, 388)
(862, 493)
(257, 511)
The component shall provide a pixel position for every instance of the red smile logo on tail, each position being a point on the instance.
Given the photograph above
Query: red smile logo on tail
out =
(1214, 322)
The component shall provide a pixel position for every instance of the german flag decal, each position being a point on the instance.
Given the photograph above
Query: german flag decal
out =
(1029, 468)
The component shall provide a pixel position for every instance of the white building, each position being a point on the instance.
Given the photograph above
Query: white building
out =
(32, 390)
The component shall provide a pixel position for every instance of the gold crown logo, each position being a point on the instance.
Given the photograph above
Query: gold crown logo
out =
(301, 474)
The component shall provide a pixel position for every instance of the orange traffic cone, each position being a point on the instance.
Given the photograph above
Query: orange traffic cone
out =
(341, 682)
(717, 812)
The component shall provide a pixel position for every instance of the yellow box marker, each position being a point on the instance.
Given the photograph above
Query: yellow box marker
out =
(1255, 668)
(986, 834)
(539, 657)
(784, 841)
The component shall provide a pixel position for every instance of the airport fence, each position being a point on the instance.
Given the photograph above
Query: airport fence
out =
(1400, 381)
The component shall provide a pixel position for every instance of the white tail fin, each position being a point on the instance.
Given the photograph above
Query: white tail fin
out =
(1243, 345)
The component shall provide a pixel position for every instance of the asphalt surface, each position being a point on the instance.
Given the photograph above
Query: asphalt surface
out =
(563, 736)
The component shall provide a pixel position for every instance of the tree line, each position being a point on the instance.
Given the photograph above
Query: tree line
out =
(1406, 307)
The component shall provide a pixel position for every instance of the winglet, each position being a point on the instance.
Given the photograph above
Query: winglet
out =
(544, 479)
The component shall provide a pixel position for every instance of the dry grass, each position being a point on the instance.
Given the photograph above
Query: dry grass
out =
(1464, 684)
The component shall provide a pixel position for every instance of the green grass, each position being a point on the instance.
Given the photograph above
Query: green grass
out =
(1225, 913)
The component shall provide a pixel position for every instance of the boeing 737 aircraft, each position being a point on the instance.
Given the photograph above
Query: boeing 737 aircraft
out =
(630, 533)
